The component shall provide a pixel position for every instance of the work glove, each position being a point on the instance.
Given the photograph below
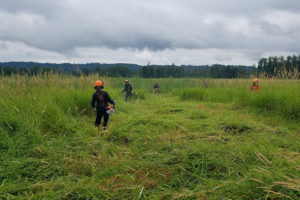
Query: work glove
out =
(94, 109)
(114, 102)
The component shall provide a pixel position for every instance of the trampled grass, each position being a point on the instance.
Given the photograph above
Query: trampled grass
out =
(189, 142)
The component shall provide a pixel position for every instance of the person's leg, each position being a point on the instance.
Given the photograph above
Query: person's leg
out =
(129, 96)
(126, 96)
(106, 118)
(98, 119)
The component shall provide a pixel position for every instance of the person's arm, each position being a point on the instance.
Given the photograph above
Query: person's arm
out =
(125, 88)
(93, 101)
(109, 99)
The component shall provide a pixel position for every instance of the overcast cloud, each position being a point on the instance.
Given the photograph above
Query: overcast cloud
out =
(142, 31)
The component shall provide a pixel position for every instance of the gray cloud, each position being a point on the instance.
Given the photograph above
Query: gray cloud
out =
(63, 27)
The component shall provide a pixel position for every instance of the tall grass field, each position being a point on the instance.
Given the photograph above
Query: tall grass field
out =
(196, 139)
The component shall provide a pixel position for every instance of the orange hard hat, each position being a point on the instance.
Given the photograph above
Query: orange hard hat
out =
(98, 83)
(126, 80)
(255, 80)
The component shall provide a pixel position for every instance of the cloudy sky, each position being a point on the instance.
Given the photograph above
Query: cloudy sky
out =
(142, 31)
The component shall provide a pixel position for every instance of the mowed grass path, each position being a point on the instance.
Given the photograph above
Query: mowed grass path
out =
(157, 148)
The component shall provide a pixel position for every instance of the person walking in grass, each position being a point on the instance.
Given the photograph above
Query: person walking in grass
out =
(127, 90)
(255, 86)
(155, 87)
(102, 99)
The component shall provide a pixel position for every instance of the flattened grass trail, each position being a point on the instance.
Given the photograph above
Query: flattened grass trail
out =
(157, 147)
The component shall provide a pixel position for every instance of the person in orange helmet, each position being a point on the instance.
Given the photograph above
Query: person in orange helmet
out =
(102, 99)
(255, 86)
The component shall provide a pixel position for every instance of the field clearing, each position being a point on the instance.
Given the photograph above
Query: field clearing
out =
(197, 139)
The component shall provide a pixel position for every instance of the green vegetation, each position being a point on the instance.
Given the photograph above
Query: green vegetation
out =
(277, 97)
(197, 139)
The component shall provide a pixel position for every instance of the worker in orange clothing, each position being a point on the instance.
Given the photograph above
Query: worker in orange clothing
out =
(255, 86)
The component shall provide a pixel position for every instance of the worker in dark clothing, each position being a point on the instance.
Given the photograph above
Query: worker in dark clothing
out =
(155, 88)
(102, 98)
(127, 90)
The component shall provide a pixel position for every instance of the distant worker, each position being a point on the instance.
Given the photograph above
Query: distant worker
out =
(102, 109)
(155, 87)
(255, 86)
(127, 90)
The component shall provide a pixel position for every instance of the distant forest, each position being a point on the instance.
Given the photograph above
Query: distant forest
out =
(128, 70)
(278, 67)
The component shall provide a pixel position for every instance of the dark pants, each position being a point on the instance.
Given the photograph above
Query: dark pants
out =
(127, 96)
(99, 115)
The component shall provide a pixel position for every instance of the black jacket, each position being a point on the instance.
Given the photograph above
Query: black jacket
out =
(102, 98)
(127, 88)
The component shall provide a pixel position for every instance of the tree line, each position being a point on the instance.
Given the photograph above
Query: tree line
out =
(214, 71)
(32, 68)
(279, 67)
(129, 70)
